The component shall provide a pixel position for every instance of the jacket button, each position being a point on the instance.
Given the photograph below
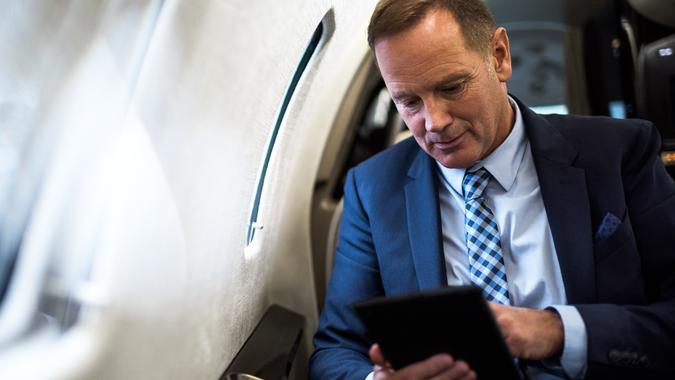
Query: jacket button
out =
(633, 359)
(615, 356)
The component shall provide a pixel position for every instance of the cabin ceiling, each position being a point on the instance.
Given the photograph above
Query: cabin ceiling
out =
(566, 12)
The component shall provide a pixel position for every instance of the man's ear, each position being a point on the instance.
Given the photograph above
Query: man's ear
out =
(501, 54)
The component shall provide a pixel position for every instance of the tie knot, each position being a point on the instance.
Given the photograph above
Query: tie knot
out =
(474, 184)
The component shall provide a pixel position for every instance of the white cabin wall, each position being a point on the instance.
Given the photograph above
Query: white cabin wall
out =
(214, 78)
(229, 64)
(286, 205)
(66, 83)
(162, 112)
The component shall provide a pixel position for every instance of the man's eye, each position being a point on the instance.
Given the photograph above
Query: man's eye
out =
(411, 103)
(452, 89)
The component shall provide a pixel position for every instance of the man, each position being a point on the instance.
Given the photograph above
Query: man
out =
(578, 213)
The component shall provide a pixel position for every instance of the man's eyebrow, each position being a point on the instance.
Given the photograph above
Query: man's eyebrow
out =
(400, 95)
(448, 79)
(453, 78)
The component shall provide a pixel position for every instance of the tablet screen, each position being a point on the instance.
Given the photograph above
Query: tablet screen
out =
(455, 320)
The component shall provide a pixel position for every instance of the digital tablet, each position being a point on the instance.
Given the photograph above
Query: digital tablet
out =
(456, 320)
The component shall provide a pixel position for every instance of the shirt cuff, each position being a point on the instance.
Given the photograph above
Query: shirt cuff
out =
(573, 359)
(370, 376)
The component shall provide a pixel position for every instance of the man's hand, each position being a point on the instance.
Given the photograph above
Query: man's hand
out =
(441, 366)
(529, 333)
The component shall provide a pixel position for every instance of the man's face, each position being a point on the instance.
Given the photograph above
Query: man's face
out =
(453, 99)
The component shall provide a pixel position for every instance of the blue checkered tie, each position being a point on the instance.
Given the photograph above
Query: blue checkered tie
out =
(486, 261)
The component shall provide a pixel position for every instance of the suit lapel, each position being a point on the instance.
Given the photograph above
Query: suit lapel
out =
(563, 189)
(424, 227)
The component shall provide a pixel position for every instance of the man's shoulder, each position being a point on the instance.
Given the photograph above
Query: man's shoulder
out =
(602, 142)
(596, 129)
(392, 162)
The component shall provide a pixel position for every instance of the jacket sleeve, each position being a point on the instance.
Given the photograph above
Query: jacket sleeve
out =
(638, 340)
(341, 343)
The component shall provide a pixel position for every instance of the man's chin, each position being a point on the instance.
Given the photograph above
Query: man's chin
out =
(455, 162)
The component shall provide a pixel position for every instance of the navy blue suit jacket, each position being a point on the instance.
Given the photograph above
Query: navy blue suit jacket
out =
(624, 286)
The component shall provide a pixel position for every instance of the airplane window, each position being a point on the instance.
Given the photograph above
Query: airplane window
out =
(538, 60)
(617, 109)
(304, 61)
(560, 109)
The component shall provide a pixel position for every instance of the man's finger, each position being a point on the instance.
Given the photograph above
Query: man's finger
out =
(377, 357)
(459, 370)
(471, 375)
(428, 368)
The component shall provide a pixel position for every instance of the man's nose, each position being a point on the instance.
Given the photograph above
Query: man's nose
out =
(437, 118)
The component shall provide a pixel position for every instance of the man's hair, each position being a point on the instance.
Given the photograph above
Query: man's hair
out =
(395, 16)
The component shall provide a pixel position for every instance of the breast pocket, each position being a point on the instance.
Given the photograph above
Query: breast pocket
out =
(621, 237)
(618, 267)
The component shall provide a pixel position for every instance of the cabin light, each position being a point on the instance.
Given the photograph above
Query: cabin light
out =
(668, 158)
(665, 52)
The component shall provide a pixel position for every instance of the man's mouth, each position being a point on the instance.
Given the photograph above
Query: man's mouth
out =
(448, 143)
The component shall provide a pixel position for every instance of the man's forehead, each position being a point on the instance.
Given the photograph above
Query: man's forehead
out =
(408, 71)
(401, 58)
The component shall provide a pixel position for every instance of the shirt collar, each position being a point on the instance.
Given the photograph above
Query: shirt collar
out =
(503, 163)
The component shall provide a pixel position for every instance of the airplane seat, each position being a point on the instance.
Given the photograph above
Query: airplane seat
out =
(402, 135)
(655, 92)
(334, 226)
(332, 238)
